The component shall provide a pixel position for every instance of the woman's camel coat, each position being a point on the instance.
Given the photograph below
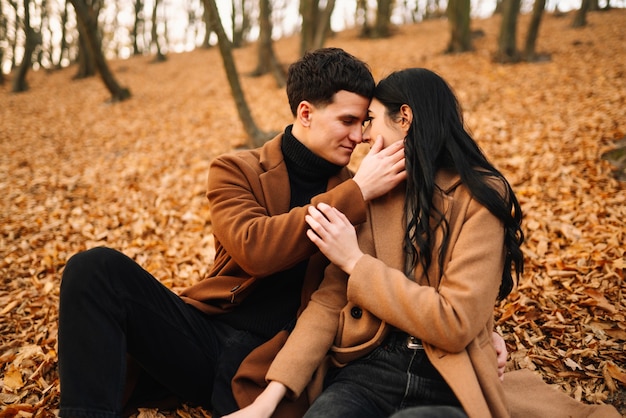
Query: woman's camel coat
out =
(450, 311)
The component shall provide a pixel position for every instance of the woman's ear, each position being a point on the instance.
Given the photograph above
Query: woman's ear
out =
(407, 117)
(304, 113)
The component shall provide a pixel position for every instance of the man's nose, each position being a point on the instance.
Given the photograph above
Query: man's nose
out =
(356, 134)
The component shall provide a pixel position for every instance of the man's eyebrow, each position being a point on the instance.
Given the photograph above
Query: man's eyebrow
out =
(352, 117)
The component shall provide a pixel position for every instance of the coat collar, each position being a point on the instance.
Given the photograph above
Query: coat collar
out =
(275, 177)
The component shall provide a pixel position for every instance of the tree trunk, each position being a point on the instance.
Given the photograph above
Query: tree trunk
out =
(64, 45)
(257, 137)
(383, 20)
(459, 19)
(315, 24)
(507, 50)
(580, 18)
(308, 12)
(86, 61)
(160, 57)
(90, 31)
(138, 22)
(241, 26)
(267, 58)
(533, 30)
(19, 81)
(206, 15)
(3, 35)
(322, 27)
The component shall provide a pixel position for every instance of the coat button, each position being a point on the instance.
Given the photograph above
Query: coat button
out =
(356, 312)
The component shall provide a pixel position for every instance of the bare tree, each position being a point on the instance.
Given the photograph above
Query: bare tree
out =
(507, 49)
(257, 137)
(89, 29)
(267, 57)
(64, 47)
(137, 25)
(382, 27)
(206, 43)
(32, 39)
(315, 23)
(3, 38)
(240, 22)
(580, 18)
(160, 56)
(530, 53)
(458, 12)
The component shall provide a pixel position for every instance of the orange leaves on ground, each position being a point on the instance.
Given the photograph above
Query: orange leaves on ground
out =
(76, 172)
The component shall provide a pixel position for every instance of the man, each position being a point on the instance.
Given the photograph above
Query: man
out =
(191, 345)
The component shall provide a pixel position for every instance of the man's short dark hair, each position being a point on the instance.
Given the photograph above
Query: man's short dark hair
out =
(321, 73)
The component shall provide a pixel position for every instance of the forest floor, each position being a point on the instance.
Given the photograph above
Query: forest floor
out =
(77, 172)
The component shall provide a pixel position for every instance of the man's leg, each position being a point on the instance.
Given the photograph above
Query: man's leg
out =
(110, 306)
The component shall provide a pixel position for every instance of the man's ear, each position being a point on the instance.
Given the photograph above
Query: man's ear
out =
(303, 115)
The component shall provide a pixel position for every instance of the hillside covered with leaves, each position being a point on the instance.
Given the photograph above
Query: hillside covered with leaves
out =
(77, 172)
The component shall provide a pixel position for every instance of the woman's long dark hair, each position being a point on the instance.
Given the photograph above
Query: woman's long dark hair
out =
(438, 139)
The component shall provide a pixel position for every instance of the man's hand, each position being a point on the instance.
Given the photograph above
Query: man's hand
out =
(381, 169)
(500, 346)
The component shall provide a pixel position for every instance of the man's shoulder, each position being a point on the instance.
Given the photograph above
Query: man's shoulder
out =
(268, 154)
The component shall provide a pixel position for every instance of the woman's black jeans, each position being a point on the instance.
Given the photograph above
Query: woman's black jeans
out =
(111, 308)
(392, 379)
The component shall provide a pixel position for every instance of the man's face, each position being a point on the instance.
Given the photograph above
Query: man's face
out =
(335, 129)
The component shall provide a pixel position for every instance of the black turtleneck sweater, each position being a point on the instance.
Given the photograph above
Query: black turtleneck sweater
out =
(273, 304)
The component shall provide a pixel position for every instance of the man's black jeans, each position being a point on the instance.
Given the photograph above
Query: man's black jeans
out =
(111, 308)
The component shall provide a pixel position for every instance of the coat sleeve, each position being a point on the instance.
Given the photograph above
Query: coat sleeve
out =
(313, 335)
(453, 312)
(262, 244)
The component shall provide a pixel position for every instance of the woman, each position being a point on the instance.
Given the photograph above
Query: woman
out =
(407, 309)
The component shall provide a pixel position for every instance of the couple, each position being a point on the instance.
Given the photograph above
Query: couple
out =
(407, 305)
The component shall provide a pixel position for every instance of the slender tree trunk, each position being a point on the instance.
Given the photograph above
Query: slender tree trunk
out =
(308, 12)
(206, 14)
(580, 18)
(136, 24)
(507, 50)
(240, 27)
(86, 61)
(160, 57)
(267, 58)
(533, 30)
(459, 19)
(3, 35)
(315, 24)
(19, 81)
(90, 30)
(323, 25)
(64, 44)
(383, 20)
(257, 137)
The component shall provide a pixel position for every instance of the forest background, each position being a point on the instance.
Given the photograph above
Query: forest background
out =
(80, 167)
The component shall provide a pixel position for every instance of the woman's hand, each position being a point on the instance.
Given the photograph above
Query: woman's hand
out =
(500, 346)
(264, 405)
(334, 235)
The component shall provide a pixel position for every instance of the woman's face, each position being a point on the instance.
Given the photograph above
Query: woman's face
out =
(379, 123)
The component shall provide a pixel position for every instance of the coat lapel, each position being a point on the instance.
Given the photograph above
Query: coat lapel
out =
(387, 219)
(275, 179)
